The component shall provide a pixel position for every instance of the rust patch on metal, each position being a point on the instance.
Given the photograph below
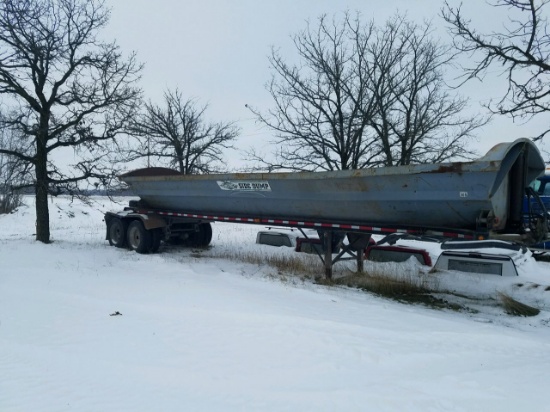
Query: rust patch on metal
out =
(449, 168)
(240, 176)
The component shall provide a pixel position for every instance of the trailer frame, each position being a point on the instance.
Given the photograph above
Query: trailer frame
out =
(161, 225)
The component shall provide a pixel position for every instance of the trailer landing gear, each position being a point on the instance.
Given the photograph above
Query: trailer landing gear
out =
(355, 248)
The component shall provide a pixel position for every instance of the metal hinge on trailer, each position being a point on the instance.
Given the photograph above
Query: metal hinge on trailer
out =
(306, 224)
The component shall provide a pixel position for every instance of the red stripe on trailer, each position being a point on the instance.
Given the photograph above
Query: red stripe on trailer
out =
(453, 234)
(372, 229)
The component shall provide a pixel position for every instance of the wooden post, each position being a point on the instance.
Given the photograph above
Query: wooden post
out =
(328, 254)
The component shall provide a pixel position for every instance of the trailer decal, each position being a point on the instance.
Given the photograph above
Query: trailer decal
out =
(246, 186)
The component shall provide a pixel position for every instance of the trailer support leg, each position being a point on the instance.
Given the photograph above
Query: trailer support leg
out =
(358, 242)
(328, 254)
(359, 257)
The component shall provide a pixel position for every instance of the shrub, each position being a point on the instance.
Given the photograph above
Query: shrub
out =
(9, 201)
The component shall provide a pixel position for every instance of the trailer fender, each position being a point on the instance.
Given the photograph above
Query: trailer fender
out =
(149, 221)
(153, 222)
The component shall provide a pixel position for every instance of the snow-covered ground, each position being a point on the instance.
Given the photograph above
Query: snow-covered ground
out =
(197, 332)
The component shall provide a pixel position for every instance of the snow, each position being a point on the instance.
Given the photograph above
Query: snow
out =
(198, 332)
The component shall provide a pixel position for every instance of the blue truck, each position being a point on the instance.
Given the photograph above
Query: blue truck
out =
(540, 186)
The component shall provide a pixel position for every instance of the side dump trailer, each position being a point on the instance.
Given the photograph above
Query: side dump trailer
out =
(485, 196)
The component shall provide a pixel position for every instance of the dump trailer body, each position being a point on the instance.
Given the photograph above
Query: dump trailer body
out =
(447, 196)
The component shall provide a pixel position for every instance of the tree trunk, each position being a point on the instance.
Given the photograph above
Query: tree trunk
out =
(41, 190)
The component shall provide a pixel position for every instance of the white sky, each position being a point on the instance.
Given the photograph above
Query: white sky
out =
(216, 51)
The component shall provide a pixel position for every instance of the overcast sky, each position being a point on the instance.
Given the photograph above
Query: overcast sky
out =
(216, 51)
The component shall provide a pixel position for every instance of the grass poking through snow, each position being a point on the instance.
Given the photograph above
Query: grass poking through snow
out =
(299, 264)
(406, 285)
(516, 308)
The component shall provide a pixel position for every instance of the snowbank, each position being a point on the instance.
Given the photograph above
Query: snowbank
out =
(207, 334)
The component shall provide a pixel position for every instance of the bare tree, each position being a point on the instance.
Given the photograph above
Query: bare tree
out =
(364, 96)
(416, 118)
(521, 50)
(69, 92)
(322, 106)
(178, 135)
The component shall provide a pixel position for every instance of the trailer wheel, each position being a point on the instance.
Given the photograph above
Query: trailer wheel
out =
(202, 237)
(138, 238)
(156, 236)
(117, 232)
(207, 233)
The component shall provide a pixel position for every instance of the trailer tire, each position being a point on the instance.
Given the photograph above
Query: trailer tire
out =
(138, 238)
(116, 232)
(202, 237)
(156, 236)
(207, 234)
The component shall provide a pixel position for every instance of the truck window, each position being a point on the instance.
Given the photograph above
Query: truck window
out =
(535, 185)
